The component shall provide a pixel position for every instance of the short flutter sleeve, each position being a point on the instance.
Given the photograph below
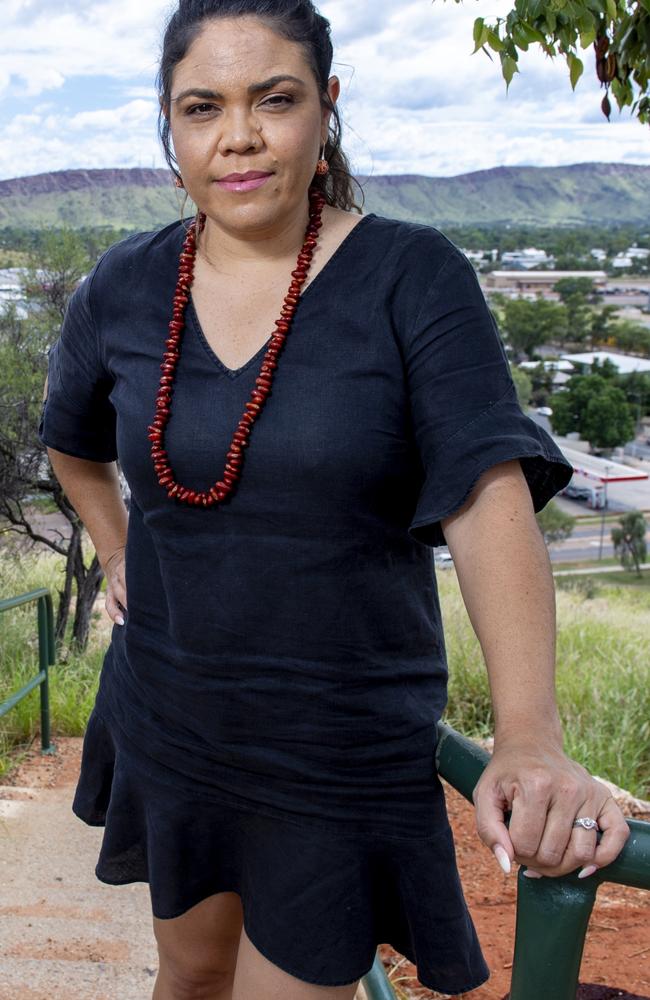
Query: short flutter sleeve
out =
(465, 410)
(77, 416)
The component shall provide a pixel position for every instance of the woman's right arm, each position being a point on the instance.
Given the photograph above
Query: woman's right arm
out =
(93, 489)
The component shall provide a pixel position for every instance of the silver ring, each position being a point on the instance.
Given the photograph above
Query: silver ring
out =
(587, 823)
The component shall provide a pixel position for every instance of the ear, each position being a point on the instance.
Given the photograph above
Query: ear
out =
(334, 90)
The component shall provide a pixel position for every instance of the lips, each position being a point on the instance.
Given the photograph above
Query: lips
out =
(241, 183)
(252, 175)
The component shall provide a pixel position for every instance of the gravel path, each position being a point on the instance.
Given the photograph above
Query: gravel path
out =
(64, 935)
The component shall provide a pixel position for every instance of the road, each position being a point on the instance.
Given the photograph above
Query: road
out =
(584, 544)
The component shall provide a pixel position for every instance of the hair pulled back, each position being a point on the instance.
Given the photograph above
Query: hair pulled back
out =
(296, 20)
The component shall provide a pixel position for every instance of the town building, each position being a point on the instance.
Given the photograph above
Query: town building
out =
(537, 282)
(625, 363)
(524, 260)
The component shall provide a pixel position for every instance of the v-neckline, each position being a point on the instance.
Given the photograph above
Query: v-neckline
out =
(235, 372)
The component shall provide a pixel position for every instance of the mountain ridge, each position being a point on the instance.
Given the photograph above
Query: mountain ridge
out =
(141, 197)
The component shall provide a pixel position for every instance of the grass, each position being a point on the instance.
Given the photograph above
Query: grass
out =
(13, 258)
(592, 564)
(73, 680)
(603, 673)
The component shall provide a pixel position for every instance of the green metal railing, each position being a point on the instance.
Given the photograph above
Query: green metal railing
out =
(46, 659)
(552, 913)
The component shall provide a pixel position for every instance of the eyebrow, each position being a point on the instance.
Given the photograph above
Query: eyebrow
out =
(255, 88)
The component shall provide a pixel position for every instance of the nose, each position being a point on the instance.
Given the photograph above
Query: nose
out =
(240, 133)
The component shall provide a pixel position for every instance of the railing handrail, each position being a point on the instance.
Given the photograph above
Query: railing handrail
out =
(46, 657)
(7, 603)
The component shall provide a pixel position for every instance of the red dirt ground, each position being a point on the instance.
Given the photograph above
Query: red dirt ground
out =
(616, 961)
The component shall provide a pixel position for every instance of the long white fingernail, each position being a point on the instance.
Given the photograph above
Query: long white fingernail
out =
(531, 873)
(501, 855)
(119, 620)
(589, 870)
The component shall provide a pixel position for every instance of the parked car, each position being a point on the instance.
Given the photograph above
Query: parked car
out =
(577, 492)
(443, 559)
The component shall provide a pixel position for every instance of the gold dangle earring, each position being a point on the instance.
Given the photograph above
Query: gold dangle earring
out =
(322, 167)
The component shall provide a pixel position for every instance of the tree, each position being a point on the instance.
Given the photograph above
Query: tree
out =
(523, 385)
(636, 387)
(594, 407)
(554, 524)
(607, 421)
(541, 379)
(527, 325)
(630, 336)
(567, 288)
(605, 368)
(618, 31)
(629, 540)
(575, 294)
(48, 283)
(602, 326)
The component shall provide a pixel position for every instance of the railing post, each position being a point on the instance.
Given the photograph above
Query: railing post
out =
(552, 919)
(45, 657)
(376, 983)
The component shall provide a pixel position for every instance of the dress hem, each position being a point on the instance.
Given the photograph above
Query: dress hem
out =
(437, 987)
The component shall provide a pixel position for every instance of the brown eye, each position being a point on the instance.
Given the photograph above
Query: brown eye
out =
(200, 109)
(277, 101)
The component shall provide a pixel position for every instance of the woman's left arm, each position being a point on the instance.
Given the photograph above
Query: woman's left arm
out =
(506, 582)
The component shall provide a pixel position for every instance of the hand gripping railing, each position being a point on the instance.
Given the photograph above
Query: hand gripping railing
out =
(552, 913)
(46, 657)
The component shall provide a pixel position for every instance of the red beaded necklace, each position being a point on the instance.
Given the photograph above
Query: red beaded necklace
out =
(235, 455)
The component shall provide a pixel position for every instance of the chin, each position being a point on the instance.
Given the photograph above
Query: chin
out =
(258, 209)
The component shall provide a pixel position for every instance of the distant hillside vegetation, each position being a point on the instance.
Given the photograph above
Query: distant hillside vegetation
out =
(582, 194)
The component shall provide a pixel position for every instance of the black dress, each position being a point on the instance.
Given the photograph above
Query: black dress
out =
(266, 719)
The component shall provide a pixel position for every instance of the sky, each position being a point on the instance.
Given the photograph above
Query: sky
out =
(77, 91)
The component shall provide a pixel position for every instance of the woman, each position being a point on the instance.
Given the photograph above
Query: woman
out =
(262, 746)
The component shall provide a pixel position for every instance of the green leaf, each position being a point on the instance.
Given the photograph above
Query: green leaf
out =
(575, 69)
(494, 41)
(532, 34)
(520, 38)
(480, 34)
(588, 38)
(622, 92)
(508, 68)
(612, 12)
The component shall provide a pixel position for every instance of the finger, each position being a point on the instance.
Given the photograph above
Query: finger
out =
(527, 822)
(491, 827)
(584, 842)
(112, 609)
(118, 588)
(563, 846)
(615, 833)
(583, 849)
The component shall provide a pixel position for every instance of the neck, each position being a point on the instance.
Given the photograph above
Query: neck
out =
(224, 247)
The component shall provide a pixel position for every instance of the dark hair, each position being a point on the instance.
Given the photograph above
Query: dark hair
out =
(296, 20)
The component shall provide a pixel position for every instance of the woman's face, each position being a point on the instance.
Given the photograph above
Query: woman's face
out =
(247, 124)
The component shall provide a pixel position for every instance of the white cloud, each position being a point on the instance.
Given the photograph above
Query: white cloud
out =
(414, 99)
(124, 136)
(40, 47)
